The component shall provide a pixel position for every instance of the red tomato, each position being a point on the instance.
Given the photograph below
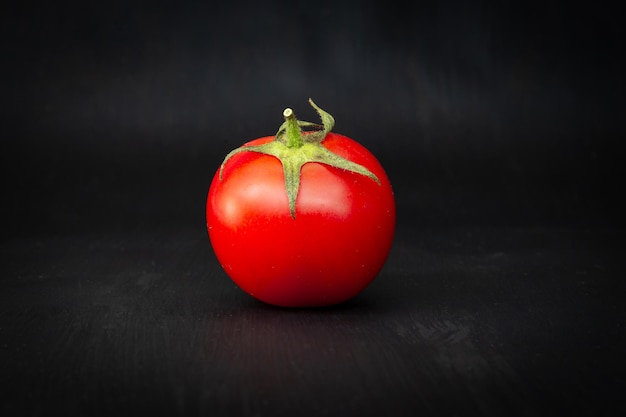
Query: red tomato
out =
(324, 252)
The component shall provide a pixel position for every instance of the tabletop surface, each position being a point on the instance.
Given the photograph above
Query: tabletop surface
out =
(116, 304)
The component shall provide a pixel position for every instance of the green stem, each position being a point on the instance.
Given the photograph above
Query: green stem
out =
(293, 132)
(294, 149)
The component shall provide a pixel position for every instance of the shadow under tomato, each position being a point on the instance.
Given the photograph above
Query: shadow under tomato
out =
(362, 303)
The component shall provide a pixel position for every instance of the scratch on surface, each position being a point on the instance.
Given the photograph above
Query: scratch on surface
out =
(444, 331)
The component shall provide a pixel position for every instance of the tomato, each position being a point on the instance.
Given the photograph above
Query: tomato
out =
(301, 219)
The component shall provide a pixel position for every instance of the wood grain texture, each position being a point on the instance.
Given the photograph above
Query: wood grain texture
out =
(462, 322)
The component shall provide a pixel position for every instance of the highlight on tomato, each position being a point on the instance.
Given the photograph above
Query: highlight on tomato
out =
(304, 218)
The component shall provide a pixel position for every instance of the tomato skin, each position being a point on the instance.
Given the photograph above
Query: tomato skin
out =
(335, 246)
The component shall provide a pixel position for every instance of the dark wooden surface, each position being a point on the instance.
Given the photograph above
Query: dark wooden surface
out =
(470, 318)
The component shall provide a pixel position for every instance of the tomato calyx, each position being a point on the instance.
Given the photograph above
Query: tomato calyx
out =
(297, 143)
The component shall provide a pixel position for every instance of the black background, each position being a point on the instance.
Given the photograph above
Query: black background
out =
(500, 125)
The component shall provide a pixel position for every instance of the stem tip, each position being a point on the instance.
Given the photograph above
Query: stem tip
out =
(288, 112)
